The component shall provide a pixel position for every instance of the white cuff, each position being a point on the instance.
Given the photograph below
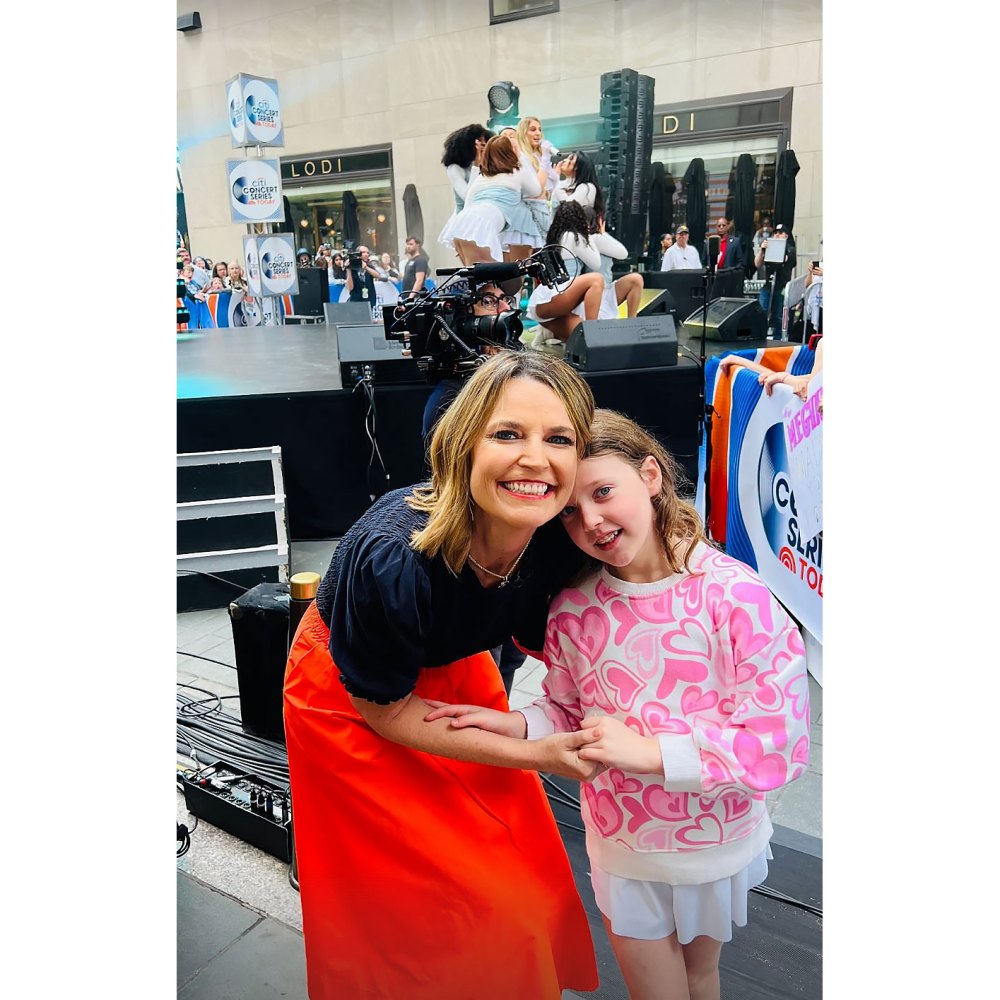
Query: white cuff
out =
(539, 724)
(681, 763)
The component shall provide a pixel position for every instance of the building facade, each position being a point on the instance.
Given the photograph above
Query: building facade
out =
(369, 92)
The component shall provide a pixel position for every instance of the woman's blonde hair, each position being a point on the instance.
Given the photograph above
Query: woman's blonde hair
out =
(498, 157)
(525, 143)
(677, 521)
(448, 499)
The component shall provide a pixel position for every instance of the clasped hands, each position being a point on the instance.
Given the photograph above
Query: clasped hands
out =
(799, 384)
(600, 743)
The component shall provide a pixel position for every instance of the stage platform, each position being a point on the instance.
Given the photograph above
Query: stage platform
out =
(267, 386)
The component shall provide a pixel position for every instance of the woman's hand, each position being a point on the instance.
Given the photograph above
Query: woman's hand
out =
(799, 384)
(732, 360)
(560, 754)
(616, 745)
(503, 723)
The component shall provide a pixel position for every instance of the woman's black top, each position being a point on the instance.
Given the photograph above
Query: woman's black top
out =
(392, 611)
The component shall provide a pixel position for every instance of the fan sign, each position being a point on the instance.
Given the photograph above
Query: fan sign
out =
(278, 275)
(255, 191)
(251, 259)
(262, 112)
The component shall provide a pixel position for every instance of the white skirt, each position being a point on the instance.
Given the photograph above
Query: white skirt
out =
(609, 304)
(479, 222)
(653, 910)
(542, 293)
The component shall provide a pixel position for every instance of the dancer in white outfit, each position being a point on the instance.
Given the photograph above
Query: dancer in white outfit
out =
(579, 183)
(628, 288)
(494, 202)
(536, 150)
(463, 150)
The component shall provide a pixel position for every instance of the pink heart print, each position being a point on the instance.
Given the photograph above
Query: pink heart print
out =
(654, 838)
(760, 771)
(622, 784)
(679, 670)
(622, 684)
(727, 706)
(603, 592)
(643, 652)
(639, 815)
(800, 752)
(604, 810)
(690, 588)
(671, 806)
(746, 642)
(592, 693)
(626, 619)
(690, 639)
(706, 830)
(718, 771)
(760, 597)
(654, 609)
(588, 633)
(736, 806)
(797, 689)
(695, 700)
(772, 726)
(718, 607)
(657, 719)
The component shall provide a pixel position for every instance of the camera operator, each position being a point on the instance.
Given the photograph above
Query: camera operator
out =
(781, 273)
(361, 277)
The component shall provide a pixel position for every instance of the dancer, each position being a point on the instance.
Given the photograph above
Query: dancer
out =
(494, 204)
(425, 872)
(560, 309)
(628, 288)
(463, 150)
(677, 825)
(580, 182)
(537, 151)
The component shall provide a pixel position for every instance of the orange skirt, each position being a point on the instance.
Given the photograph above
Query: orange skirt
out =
(422, 877)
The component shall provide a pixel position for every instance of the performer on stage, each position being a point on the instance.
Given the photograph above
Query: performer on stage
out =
(628, 288)
(677, 826)
(537, 151)
(580, 182)
(463, 150)
(559, 310)
(495, 214)
(429, 863)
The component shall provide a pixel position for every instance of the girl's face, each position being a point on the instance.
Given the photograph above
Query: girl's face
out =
(511, 136)
(199, 262)
(338, 261)
(610, 516)
(534, 133)
(216, 283)
(221, 271)
(386, 260)
(235, 271)
(567, 167)
(524, 464)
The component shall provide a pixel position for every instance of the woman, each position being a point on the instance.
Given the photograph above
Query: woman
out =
(221, 271)
(236, 280)
(338, 279)
(559, 310)
(628, 288)
(494, 212)
(580, 182)
(387, 283)
(425, 873)
(463, 150)
(536, 150)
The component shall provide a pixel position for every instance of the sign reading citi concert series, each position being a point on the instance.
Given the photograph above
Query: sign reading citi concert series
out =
(764, 527)
(254, 111)
(251, 260)
(278, 275)
(255, 191)
(804, 443)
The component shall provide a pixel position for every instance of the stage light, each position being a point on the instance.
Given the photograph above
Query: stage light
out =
(304, 223)
(380, 217)
(502, 97)
(189, 22)
(328, 221)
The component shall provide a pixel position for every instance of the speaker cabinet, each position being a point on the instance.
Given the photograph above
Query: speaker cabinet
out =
(350, 313)
(621, 344)
(314, 291)
(729, 319)
(260, 640)
(361, 347)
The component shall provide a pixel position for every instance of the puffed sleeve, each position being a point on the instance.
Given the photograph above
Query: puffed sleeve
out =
(381, 619)
(582, 250)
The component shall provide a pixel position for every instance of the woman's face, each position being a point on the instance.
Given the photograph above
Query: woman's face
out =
(480, 146)
(567, 167)
(534, 133)
(386, 260)
(338, 261)
(667, 242)
(221, 271)
(524, 465)
(199, 262)
(511, 136)
(235, 271)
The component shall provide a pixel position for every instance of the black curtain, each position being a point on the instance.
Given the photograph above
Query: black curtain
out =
(414, 214)
(731, 197)
(697, 204)
(658, 218)
(784, 189)
(352, 228)
(743, 204)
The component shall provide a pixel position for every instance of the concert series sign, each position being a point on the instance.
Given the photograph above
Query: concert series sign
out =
(254, 111)
(251, 262)
(255, 191)
(278, 275)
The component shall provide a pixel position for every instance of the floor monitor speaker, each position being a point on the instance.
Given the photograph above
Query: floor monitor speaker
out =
(367, 347)
(347, 312)
(729, 319)
(621, 344)
(314, 290)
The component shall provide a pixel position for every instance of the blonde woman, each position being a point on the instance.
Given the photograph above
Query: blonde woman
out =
(537, 151)
(416, 840)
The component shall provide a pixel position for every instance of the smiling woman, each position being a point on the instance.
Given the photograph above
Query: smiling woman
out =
(447, 858)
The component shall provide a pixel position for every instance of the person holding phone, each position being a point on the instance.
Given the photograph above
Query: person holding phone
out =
(776, 275)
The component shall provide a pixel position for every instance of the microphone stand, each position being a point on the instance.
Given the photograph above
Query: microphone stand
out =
(704, 410)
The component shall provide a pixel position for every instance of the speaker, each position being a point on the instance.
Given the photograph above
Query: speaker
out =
(661, 303)
(729, 319)
(260, 640)
(687, 287)
(364, 346)
(620, 344)
(189, 22)
(351, 313)
(314, 291)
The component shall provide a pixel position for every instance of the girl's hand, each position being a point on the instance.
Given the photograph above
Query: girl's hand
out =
(731, 360)
(616, 745)
(561, 754)
(502, 723)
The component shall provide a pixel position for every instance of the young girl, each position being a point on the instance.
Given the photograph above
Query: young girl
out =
(628, 288)
(691, 678)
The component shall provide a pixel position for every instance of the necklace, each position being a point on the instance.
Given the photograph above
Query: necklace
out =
(504, 578)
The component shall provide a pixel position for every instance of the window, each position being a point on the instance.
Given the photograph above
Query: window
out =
(513, 10)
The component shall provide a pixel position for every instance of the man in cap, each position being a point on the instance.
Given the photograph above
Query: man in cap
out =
(681, 256)
(303, 257)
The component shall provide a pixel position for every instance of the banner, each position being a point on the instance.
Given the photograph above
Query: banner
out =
(255, 191)
(254, 111)
(251, 262)
(278, 273)
(223, 310)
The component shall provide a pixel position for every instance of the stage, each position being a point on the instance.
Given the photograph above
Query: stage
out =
(266, 386)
